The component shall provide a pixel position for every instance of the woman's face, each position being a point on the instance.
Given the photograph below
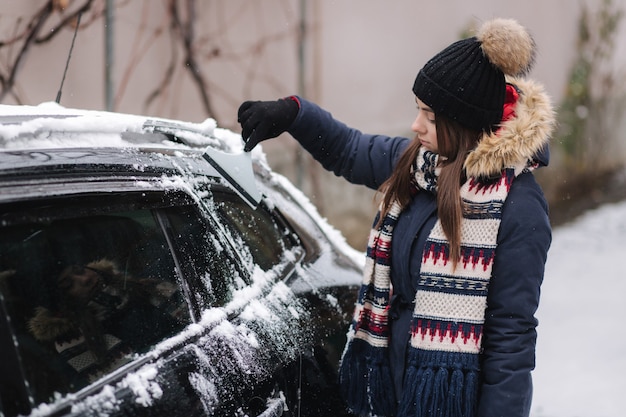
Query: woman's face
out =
(424, 126)
(79, 282)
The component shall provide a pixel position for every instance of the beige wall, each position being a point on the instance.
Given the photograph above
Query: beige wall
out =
(360, 61)
(361, 56)
(380, 45)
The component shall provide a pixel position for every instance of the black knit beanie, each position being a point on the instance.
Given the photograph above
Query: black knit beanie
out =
(466, 81)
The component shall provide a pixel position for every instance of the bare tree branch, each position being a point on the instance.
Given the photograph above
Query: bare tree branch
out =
(186, 32)
(191, 48)
(69, 20)
(29, 37)
(169, 72)
(30, 34)
(139, 50)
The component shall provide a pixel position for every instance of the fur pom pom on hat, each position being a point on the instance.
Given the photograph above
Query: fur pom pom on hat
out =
(466, 81)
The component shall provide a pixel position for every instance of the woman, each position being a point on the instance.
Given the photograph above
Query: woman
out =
(444, 324)
(102, 317)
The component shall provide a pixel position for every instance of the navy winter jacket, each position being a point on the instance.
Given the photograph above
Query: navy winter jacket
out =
(524, 237)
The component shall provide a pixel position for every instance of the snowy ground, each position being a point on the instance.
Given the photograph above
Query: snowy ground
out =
(581, 350)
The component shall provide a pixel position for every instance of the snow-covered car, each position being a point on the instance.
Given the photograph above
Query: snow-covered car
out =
(150, 267)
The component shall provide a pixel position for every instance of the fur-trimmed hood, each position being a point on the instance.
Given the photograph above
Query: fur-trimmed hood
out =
(521, 139)
(47, 325)
(115, 294)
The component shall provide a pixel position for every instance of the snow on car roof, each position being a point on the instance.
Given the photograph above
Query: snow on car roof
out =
(50, 125)
(29, 127)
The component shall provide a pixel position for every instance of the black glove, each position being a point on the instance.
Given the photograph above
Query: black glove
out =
(262, 120)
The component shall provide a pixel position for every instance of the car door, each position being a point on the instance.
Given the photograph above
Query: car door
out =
(254, 332)
(174, 331)
(89, 286)
(304, 334)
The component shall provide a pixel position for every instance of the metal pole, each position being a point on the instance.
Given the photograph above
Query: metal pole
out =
(108, 51)
(301, 85)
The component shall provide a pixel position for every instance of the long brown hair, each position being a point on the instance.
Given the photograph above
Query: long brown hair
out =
(454, 142)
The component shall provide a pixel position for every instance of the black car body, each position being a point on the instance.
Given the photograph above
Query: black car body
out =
(148, 267)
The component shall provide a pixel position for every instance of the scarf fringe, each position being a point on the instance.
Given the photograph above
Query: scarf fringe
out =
(366, 382)
(437, 385)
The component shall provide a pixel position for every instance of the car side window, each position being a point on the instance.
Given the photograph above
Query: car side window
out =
(263, 233)
(206, 259)
(86, 288)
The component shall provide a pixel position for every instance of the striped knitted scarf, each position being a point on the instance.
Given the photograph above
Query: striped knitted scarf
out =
(447, 324)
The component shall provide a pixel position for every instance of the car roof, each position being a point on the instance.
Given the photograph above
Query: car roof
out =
(37, 140)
